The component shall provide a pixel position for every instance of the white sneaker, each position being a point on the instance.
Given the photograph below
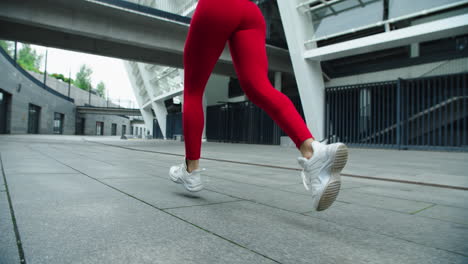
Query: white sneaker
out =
(321, 173)
(191, 181)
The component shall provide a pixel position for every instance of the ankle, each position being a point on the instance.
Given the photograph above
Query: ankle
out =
(306, 148)
(191, 165)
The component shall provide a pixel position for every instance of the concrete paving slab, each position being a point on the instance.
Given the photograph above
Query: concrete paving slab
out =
(427, 194)
(31, 168)
(346, 183)
(8, 249)
(430, 177)
(256, 176)
(163, 193)
(57, 188)
(123, 231)
(421, 230)
(299, 203)
(389, 203)
(294, 238)
(446, 213)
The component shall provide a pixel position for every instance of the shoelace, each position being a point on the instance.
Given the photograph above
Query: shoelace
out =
(309, 183)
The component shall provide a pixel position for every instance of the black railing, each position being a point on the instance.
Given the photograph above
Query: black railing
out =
(173, 125)
(423, 113)
(243, 122)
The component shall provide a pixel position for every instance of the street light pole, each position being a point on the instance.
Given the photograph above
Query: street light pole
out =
(69, 82)
(16, 52)
(45, 68)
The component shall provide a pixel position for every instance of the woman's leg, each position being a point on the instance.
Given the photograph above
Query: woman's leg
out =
(211, 25)
(248, 52)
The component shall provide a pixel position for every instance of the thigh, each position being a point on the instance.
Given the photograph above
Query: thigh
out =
(212, 24)
(247, 45)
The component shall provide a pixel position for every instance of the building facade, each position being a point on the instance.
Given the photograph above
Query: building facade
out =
(30, 106)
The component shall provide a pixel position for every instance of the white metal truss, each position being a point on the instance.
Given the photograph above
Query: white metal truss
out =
(153, 84)
(297, 27)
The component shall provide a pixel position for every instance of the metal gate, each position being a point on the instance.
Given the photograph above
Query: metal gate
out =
(424, 113)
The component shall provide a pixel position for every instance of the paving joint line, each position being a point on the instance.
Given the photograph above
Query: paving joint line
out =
(295, 169)
(254, 184)
(19, 244)
(79, 154)
(169, 213)
(405, 199)
(198, 205)
(420, 210)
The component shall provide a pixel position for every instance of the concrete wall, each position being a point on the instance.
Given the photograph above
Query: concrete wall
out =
(80, 96)
(90, 123)
(423, 70)
(137, 128)
(32, 93)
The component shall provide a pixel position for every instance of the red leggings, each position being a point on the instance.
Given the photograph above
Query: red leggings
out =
(241, 23)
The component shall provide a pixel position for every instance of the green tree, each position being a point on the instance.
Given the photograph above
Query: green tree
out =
(29, 59)
(83, 78)
(101, 89)
(6, 46)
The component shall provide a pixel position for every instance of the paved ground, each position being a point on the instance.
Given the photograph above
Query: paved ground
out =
(104, 200)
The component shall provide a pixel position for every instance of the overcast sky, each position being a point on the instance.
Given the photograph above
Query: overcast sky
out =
(109, 70)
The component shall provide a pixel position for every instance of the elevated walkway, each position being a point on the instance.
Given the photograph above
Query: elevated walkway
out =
(101, 28)
(108, 110)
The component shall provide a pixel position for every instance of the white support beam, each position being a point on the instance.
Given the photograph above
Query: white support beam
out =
(165, 97)
(442, 28)
(297, 27)
(161, 116)
(145, 112)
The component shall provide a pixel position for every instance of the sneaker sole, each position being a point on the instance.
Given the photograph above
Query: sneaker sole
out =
(193, 189)
(333, 186)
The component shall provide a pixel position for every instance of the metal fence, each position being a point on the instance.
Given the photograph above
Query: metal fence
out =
(173, 125)
(243, 122)
(424, 113)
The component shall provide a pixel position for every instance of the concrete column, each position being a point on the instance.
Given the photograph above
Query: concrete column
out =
(298, 28)
(414, 50)
(148, 118)
(161, 115)
(278, 81)
(279, 86)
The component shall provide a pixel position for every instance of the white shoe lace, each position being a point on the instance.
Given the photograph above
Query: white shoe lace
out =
(309, 184)
(313, 168)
